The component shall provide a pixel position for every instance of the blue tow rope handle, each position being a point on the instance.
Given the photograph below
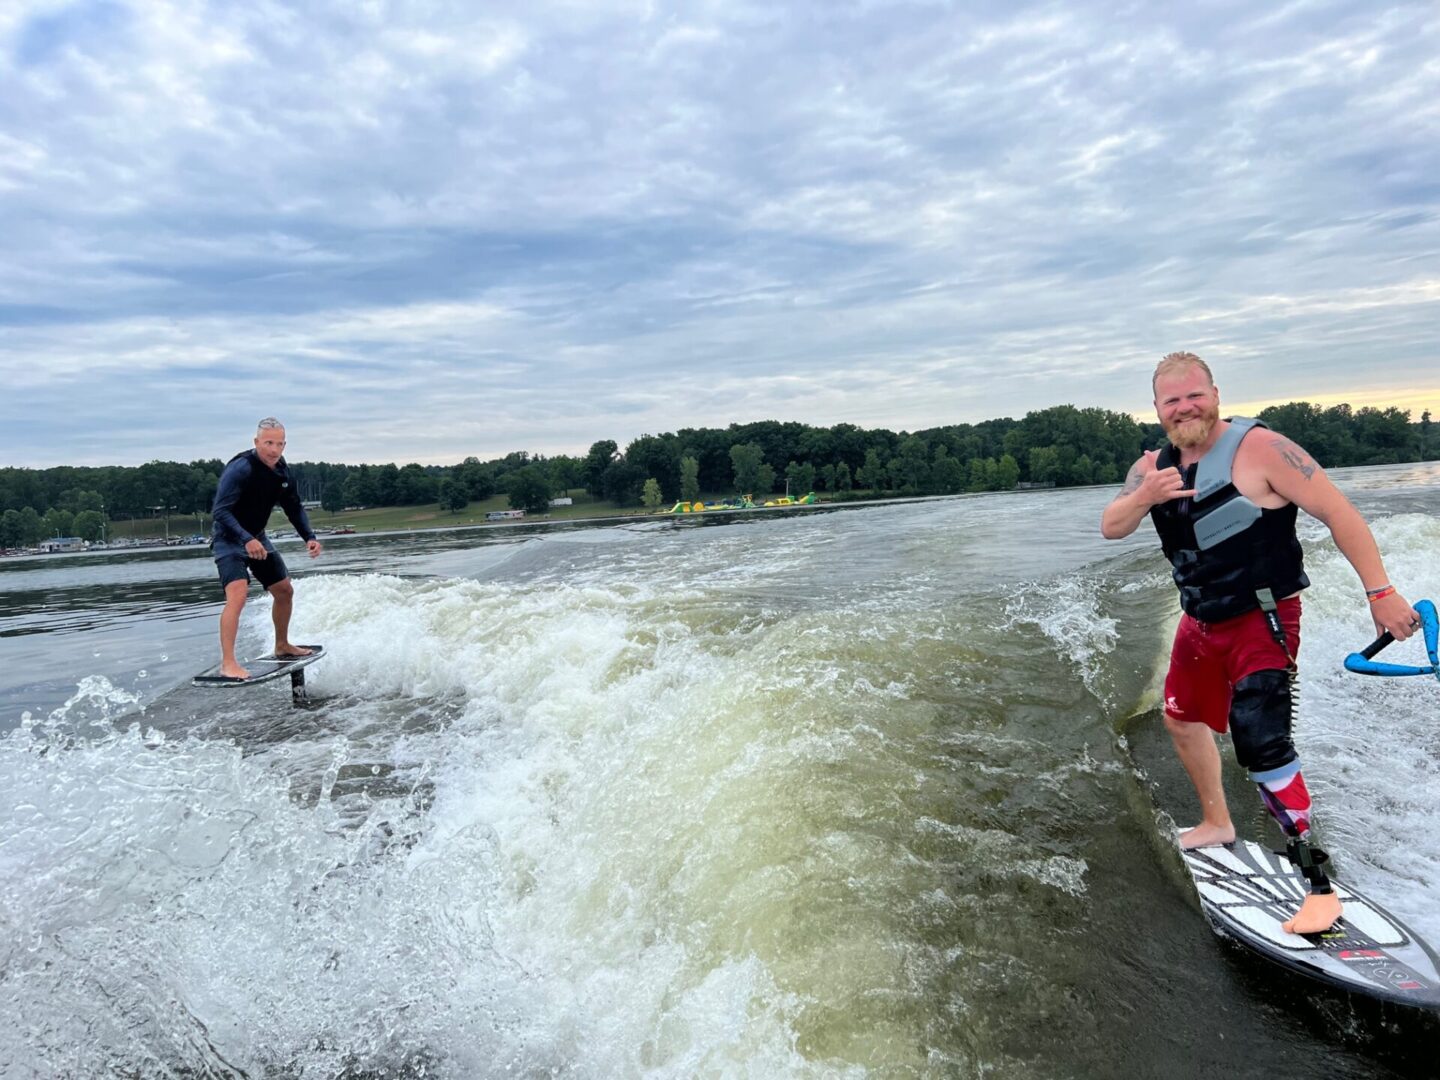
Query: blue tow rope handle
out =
(1363, 662)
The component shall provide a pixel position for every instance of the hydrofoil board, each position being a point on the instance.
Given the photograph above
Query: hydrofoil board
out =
(1247, 892)
(262, 669)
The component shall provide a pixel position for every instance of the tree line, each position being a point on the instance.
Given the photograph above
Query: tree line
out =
(1062, 446)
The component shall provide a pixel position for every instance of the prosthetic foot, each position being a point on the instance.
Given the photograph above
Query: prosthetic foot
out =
(1322, 907)
(1318, 913)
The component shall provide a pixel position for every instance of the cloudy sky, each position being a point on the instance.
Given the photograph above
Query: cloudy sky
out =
(417, 231)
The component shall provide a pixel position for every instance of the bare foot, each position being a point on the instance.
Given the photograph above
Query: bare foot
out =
(233, 671)
(288, 650)
(1318, 913)
(1205, 835)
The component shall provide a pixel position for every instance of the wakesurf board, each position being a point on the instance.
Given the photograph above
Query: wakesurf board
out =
(1247, 892)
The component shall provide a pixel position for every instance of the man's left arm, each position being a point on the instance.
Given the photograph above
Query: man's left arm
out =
(1294, 474)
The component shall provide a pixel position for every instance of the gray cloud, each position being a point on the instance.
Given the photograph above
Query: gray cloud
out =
(421, 233)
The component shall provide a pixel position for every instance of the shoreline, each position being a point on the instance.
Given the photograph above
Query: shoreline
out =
(539, 521)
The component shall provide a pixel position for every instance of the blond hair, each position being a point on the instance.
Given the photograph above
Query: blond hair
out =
(1178, 361)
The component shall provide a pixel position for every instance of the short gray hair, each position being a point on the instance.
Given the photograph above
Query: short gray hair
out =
(268, 424)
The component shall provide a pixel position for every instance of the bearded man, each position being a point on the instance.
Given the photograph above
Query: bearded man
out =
(1224, 496)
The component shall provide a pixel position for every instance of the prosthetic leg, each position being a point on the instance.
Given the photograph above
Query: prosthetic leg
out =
(1260, 714)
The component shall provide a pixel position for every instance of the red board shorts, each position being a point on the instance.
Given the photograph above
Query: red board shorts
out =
(1208, 659)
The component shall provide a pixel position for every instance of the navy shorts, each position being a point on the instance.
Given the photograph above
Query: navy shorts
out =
(268, 572)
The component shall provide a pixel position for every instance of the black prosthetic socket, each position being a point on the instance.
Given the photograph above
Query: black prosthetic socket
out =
(1260, 712)
(1311, 860)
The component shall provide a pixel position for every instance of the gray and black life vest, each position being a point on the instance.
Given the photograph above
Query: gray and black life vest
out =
(1228, 555)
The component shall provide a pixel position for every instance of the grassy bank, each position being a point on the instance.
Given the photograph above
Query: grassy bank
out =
(431, 516)
(381, 518)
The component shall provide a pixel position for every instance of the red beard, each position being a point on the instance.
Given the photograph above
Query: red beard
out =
(1194, 431)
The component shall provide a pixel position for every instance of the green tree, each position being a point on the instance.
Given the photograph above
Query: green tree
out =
(658, 457)
(689, 479)
(746, 458)
(414, 486)
(478, 480)
(1382, 436)
(1045, 464)
(843, 481)
(622, 483)
(1337, 436)
(1098, 434)
(20, 488)
(652, 495)
(452, 495)
(801, 477)
(871, 475)
(602, 454)
(387, 485)
(32, 529)
(816, 444)
(849, 447)
(711, 448)
(947, 473)
(89, 525)
(332, 496)
(529, 489)
(764, 480)
(982, 474)
(167, 488)
(914, 464)
(1007, 473)
(566, 472)
(11, 534)
(360, 488)
(57, 522)
(76, 500)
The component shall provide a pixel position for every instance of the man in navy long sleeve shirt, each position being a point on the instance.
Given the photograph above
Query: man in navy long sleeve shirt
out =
(252, 485)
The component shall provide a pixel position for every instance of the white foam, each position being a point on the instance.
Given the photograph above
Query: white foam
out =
(624, 807)
(1371, 746)
(1068, 612)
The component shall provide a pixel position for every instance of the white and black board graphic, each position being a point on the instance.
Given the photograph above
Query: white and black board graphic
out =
(1247, 892)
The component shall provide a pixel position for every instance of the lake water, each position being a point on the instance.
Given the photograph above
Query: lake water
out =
(872, 791)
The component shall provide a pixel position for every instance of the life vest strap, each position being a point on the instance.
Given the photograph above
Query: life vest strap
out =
(1271, 611)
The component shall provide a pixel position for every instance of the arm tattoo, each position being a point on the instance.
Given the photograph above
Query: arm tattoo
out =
(1295, 457)
(1132, 482)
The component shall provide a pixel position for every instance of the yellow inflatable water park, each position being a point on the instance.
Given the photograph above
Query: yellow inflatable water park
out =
(744, 502)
